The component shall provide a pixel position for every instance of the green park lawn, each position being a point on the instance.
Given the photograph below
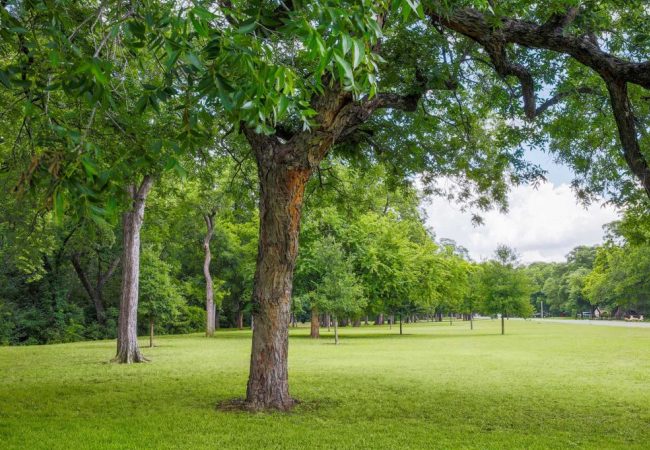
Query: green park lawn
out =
(438, 386)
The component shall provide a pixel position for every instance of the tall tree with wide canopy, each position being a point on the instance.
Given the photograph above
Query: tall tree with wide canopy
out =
(83, 75)
(299, 79)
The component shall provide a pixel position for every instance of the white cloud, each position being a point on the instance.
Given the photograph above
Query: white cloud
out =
(543, 224)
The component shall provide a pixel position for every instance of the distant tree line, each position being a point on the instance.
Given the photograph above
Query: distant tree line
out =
(612, 277)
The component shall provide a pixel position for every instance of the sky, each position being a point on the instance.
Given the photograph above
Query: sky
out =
(542, 224)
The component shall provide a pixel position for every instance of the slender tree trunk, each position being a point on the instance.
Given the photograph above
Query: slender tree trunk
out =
(151, 332)
(471, 321)
(127, 331)
(95, 292)
(315, 324)
(336, 330)
(240, 318)
(209, 288)
(327, 321)
(366, 320)
(400, 325)
(503, 324)
(281, 196)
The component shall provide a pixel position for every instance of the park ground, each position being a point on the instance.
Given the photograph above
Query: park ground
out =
(542, 385)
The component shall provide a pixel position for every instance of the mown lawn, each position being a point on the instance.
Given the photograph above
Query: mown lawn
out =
(439, 386)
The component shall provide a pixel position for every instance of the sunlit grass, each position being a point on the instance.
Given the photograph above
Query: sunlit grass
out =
(438, 386)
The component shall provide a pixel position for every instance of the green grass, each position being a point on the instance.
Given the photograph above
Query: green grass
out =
(439, 386)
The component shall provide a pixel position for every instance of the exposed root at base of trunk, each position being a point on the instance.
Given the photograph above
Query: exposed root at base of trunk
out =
(240, 404)
(138, 358)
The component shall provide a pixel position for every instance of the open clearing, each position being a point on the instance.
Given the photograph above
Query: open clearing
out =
(540, 386)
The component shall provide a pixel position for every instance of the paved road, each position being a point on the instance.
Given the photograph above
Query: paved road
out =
(602, 323)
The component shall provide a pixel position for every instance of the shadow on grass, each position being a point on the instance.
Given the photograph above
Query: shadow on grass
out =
(344, 336)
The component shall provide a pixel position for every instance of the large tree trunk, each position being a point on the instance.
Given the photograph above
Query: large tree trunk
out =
(127, 330)
(285, 162)
(315, 323)
(281, 196)
(209, 288)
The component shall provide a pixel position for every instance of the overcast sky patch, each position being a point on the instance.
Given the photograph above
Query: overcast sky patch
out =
(543, 224)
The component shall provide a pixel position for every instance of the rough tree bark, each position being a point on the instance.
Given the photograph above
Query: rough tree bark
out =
(285, 161)
(282, 190)
(210, 313)
(128, 350)
(315, 323)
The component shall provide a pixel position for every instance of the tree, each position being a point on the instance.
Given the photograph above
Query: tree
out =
(127, 331)
(83, 76)
(336, 290)
(160, 298)
(505, 288)
(473, 295)
(619, 277)
(294, 109)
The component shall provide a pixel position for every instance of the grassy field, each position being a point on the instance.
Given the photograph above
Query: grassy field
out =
(439, 386)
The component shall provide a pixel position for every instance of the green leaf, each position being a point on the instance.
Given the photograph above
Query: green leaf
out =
(193, 60)
(247, 26)
(358, 52)
(172, 57)
(203, 13)
(141, 105)
(89, 166)
(199, 26)
(4, 79)
(345, 66)
(346, 43)
(58, 202)
(283, 105)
